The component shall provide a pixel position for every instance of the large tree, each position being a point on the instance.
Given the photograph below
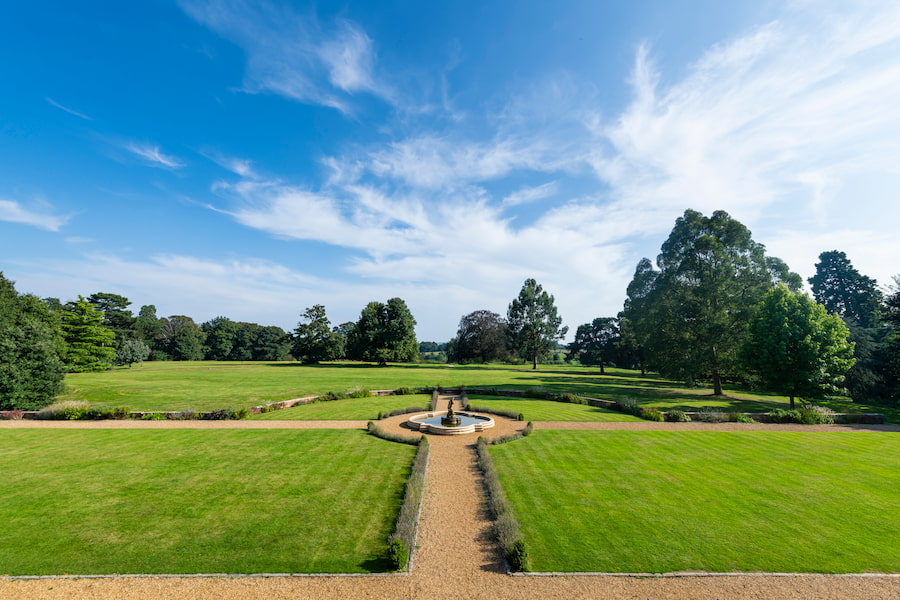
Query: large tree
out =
(596, 343)
(220, 336)
(384, 333)
(533, 325)
(116, 316)
(481, 336)
(691, 315)
(91, 346)
(31, 348)
(844, 291)
(314, 340)
(796, 347)
(181, 338)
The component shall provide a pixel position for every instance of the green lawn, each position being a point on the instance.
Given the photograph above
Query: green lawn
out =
(211, 385)
(626, 501)
(348, 409)
(197, 501)
(547, 410)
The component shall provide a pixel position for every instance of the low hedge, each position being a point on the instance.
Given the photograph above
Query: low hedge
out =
(402, 542)
(506, 527)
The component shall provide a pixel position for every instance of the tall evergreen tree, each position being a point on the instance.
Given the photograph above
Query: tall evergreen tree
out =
(844, 291)
(533, 325)
(116, 316)
(481, 336)
(91, 346)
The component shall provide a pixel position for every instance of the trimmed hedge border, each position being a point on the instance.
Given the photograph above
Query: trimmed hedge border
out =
(506, 527)
(402, 543)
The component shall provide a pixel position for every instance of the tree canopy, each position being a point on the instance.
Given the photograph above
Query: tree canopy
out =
(596, 343)
(384, 333)
(90, 344)
(839, 287)
(31, 348)
(690, 317)
(314, 340)
(533, 325)
(481, 336)
(796, 347)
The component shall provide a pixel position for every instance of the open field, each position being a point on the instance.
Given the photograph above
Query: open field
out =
(197, 501)
(622, 501)
(212, 385)
(346, 409)
(543, 410)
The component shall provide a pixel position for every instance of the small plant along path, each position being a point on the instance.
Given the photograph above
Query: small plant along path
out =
(456, 557)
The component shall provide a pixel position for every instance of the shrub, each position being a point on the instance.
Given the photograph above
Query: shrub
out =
(328, 397)
(402, 411)
(709, 415)
(811, 414)
(224, 414)
(781, 415)
(506, 527)
(121, 412)
(529, 429)
(464, 401)
(67, 410)
(403, 391)
(628, 406)
(676, 416)
(434, 397)
(740, 418)
(153, 416)
(378, 432)
(359, 392)
(408, 517)
(571, 398)
(398, 554)
(13, 415)
(500, 412)
(651, 414)
(183, 415)
(99, 413)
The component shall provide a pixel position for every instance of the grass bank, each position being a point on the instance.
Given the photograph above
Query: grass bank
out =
(345, 409)
(548, 410)
(624, 501)
(213, 385)
(197, 501)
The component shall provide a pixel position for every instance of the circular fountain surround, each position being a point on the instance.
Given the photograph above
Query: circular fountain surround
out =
(431, 423)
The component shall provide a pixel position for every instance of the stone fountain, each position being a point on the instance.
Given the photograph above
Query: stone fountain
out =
(450, 419)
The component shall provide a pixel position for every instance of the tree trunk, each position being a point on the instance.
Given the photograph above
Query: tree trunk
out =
(534, 362)
(792, 402)
(602, 372)
(717, 384)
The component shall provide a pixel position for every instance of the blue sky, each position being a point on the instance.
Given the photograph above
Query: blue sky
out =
(251, 159)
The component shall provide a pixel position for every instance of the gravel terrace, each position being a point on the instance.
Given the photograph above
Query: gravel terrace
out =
(456, 556)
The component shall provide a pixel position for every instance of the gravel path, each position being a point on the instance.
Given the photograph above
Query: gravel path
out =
(457, 558)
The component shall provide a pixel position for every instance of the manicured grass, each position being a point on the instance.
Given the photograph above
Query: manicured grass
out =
(197, 501)
(212, 385)
(349, 409)
(548, 410)
(663, 501)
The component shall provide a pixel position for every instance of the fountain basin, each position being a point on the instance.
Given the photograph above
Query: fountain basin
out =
(431, 423)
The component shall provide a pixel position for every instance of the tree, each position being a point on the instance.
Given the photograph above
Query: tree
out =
(90, 344)
(116, 316)
(220, 335)
(532, 323)
(384, 333)
(891, 348)
(635, 322)
(482, 336)
(796, 347)
(693, 318)
(596, 343)
(132, 351)
(181, 338)
(844, 291)
(314, 340)
(31, 348)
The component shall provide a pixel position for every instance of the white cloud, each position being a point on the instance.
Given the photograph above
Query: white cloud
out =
(38, 216)
(71, 111)
(294, 56)
(153, 155)
(531, 194)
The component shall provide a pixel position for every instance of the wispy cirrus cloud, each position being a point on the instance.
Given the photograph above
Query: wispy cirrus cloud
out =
(40, 215)
(778, 126)
(71, 111)
(153, 156)
(294, 55)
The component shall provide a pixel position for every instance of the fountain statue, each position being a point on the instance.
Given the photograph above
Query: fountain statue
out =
(450, 420)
